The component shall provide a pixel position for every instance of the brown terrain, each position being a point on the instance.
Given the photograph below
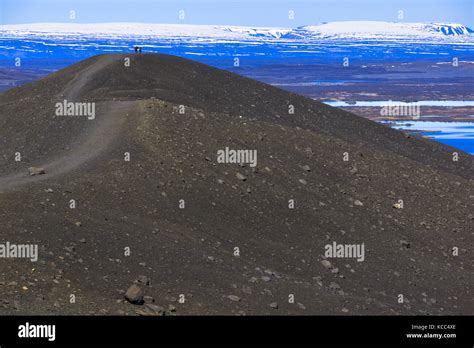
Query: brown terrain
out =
(135, 205)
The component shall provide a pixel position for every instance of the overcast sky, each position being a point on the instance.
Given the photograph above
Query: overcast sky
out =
(236, 12)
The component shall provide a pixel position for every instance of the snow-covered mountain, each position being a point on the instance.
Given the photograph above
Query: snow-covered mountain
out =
(171, 31)
(381, 31)
(353, 31)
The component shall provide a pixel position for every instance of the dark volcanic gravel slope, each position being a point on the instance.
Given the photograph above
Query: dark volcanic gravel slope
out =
(135, 205)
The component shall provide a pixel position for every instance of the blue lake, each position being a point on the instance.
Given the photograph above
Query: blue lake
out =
(456, 134)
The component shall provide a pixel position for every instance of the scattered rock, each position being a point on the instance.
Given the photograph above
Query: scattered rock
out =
(148, 299)
(274, 305)
(306, 168)
(234, 298)
(36, 171)
(303, 181)
(397, 206)
(241, 176)
(134, 295)
(358, 203)
(405, 243)
(151, 310)
(326, 263)
(301, 306)
(70, 249)
(143, 279)
(155, 309)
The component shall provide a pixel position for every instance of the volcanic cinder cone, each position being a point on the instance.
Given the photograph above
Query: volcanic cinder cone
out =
(138, 192)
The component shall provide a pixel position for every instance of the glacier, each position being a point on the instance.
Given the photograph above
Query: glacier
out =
(349, 30)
